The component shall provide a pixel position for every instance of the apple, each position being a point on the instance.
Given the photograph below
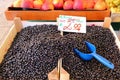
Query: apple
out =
(58, 4)
(78, 5)
(37, 4)
(27, 4)
(68, 5)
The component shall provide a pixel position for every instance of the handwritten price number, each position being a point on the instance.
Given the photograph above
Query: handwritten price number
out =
(67, 27)
(76, 27)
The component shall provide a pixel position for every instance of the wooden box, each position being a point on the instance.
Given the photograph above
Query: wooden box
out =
(8, 34)
(53, 14)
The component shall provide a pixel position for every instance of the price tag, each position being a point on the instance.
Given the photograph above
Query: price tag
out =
(71, 24)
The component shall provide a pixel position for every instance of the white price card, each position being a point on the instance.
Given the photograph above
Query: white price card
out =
(72, 24)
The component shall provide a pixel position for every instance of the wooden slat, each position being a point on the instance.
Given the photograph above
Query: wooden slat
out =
(52, 15)
(107, 24)
(3, 32)
(7, 35)
(18, 24)
(7, 41)
(116, 37)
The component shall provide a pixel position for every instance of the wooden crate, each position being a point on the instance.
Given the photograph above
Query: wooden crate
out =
(53, 14)
(7, 36)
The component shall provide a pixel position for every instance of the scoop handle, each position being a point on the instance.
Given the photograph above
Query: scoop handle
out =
(104, 61)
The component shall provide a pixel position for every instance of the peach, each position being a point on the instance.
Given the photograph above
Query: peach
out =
(47, 1)
(68, 0)
(47, 5)
(58, 4)
(78, 5)
(68, 5)
(95, 1)
(90, 4)
(37, 4)
(100, 5)
(27, 4)
(84, 4)
(17, 3)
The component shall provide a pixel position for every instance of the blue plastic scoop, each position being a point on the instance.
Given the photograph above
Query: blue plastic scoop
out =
(93, 54)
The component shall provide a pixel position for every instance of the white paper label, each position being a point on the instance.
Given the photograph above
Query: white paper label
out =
(71, 24)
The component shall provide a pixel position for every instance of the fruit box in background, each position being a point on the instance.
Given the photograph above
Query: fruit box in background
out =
(51, 9)
(53, 14)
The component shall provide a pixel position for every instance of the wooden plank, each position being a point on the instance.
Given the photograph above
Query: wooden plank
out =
(107, 24)
(116, 37)
(7, 41)
(3, 32)
(53, 14)
(7, 35)
(18, 24)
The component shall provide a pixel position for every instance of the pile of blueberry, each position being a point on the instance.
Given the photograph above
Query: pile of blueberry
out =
(36, 50)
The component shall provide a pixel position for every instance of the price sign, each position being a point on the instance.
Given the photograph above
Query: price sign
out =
(72, 24)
